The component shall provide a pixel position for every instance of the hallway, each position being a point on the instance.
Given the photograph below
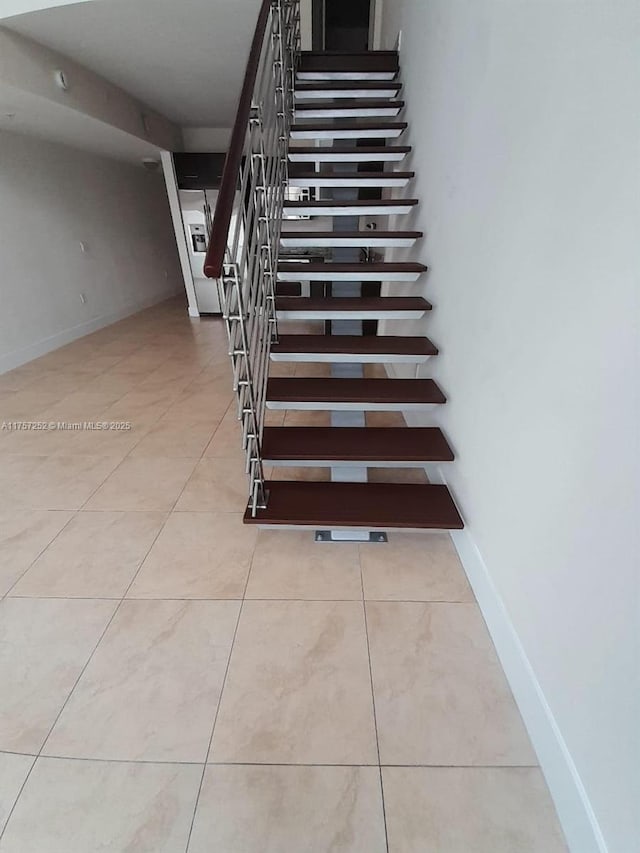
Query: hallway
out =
(173, 680)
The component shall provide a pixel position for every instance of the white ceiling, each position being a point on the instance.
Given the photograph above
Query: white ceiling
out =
(184, 59)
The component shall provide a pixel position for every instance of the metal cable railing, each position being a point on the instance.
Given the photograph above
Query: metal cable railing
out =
(243, 249)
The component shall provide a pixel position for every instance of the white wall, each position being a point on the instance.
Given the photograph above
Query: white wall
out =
(52, 198)
(525, 124)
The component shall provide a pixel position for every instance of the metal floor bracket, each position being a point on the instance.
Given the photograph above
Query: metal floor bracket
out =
(349, 536)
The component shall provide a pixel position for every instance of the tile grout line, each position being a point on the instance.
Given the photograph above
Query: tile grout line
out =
(233, 640)
(117, 467)
(117, 608)
(19, 794)
(232, 597)
(75, 512)
(64, 704)
(222, 686)
(273, 763)
(76, 682)
(183, 391)
(373, 700)
(7, 594)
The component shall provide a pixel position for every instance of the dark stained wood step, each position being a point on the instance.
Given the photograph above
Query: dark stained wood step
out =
(363, 203)
(355, 344)
(414, 506)
(288, 288)
(375, 306)
(373, 150)
(359, 124)
(355, 444)
(332, 267)
(383, 392)
(349, 104)
(372, 60)
(312, 177)
(347, 85)
(353, 235)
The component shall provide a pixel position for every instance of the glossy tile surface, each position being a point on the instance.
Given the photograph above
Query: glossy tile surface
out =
(479, 809)
(276, 809)
(84, 806)
(441, 696)
(414, 567)
(51, 482)
(23, 537)
(216, 485)
(198, 555)
(14, 769)
(152, 688)
(288, 564)
(44, 644)
(170, 438)
(224, 442)
(298, 689)
(95, 556)
(144, 484)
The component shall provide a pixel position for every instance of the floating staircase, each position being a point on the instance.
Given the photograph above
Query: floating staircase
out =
(346, 162)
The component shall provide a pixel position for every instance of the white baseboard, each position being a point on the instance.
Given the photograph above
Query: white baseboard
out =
(66, 336)
(569, 795)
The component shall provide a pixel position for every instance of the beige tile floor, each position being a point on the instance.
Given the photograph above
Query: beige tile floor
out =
(174, 681)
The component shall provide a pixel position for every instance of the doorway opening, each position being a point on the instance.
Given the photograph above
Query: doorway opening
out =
(340, 25)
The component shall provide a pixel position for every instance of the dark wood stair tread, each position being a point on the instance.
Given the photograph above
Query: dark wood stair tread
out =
(367, 444)
(368, 505)
(357, 344)
(349, 104)
(351, 235)
(343, 149)
(349, 176)
(313, 389)
(288, 288)
(352, 124)
(357, 303)
(345, 85)
(336, 266)
(337, 61)
(357, 202)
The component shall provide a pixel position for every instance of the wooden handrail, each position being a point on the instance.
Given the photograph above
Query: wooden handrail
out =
(226, 196)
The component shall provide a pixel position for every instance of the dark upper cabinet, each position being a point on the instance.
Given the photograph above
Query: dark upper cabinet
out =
(198, 171)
